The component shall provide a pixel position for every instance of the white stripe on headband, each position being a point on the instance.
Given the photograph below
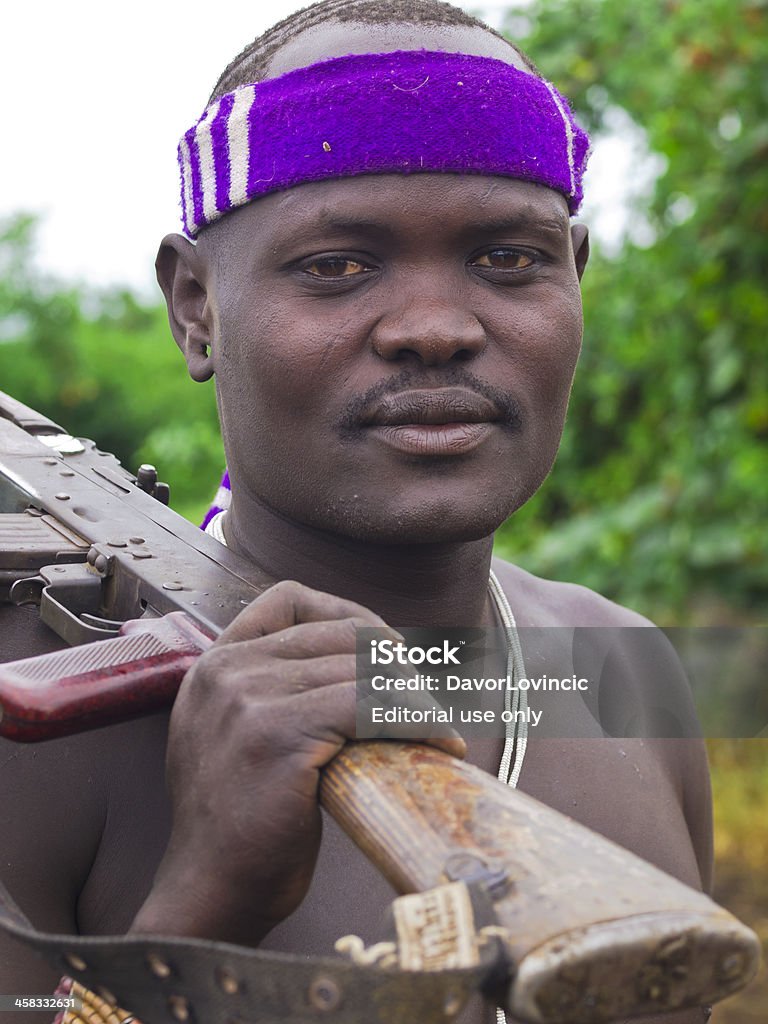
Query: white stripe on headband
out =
(239, 144)
(207, 171)
(568, 132)
(186, 180)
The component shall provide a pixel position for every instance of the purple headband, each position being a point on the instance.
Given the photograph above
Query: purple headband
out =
(379, 113)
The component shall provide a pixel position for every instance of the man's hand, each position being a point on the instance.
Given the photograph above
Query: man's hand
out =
(255, 720)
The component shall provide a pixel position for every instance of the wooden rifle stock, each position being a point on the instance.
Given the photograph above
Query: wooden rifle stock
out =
(591, 932)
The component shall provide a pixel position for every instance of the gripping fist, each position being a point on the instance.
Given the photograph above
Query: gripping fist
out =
(255, 720)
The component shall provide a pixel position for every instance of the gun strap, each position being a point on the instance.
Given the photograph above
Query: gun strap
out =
(438, 965)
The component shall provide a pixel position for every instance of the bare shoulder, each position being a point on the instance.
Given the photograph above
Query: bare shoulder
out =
(539, 602)
(681, 761)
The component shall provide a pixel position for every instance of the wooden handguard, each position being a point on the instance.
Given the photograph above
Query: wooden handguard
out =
(592, 932)
(101, 683)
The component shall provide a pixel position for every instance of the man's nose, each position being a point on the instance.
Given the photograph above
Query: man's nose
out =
(435, 329)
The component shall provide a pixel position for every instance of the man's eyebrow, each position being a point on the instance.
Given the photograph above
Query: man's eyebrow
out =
(513, 223)
(328, 223)
(335, 224)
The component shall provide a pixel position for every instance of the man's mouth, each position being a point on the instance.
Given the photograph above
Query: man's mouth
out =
(438, 406)
(440, 421)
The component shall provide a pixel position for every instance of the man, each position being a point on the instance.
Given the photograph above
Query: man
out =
(393, 356)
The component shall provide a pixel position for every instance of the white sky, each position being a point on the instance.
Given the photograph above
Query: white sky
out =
(96, 95)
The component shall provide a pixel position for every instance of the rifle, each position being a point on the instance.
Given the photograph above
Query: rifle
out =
(557, 924)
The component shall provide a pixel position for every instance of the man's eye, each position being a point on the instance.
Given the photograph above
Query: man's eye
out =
(335, 267)
(503, 259)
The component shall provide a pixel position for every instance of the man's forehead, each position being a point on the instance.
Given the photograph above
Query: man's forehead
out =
(452, 204)
(422, 192)
(339, 38)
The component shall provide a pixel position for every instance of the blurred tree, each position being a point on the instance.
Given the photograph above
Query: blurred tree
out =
(661, 487)
(658, 495)
(103, 364)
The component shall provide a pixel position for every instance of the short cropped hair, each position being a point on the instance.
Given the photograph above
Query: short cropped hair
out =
(252, 64)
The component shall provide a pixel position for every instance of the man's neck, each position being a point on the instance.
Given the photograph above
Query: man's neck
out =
(407, 585)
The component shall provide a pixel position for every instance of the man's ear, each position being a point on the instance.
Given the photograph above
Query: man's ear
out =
(180, 275)
(580, 242)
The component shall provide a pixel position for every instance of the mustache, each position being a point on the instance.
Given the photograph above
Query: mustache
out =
(409, 380)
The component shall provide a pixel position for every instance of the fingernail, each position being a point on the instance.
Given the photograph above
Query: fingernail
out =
(393, 633)
(458, 747)
(455, 739)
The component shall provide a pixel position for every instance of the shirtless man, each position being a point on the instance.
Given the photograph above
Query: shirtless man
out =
(330, 313)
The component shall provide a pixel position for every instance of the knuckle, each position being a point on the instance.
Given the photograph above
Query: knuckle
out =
(287, 589)
(245, 714)
(348, 630)
(200, 677)
(360, 622)
(212, 665)
(341, 632)
(228, 669)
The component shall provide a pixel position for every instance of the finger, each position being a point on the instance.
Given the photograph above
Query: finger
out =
(453, 745)
(226, 678)
(329, 714)
(317, 639)
(287, 604)
(289, 678)
(328, 717)
(417, 719)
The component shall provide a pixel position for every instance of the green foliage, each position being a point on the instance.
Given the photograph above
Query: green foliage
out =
(104, 366)
(658, 498)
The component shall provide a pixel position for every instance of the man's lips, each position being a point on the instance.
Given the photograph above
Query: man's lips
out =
(431, 407)
(443, 421)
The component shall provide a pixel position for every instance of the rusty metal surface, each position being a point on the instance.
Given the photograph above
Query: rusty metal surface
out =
(595, 932)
